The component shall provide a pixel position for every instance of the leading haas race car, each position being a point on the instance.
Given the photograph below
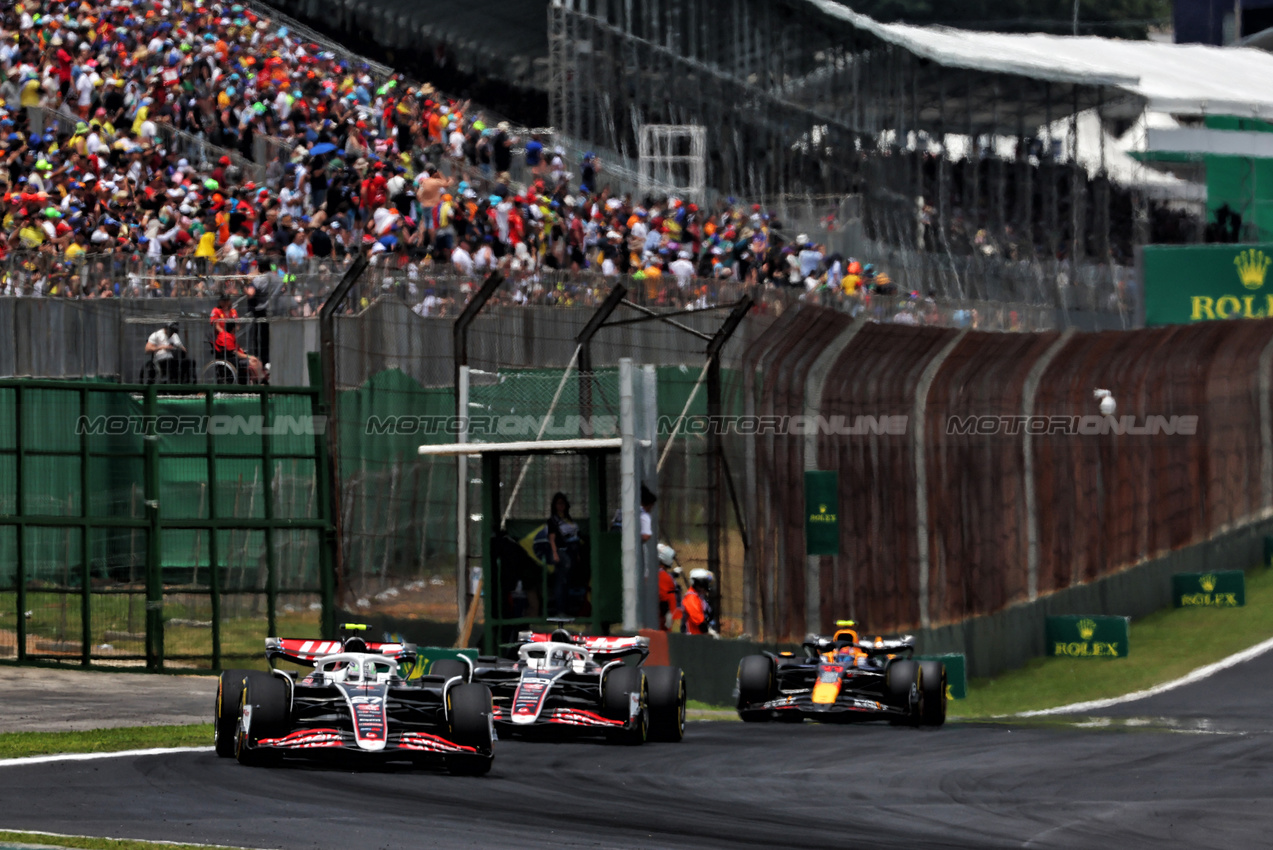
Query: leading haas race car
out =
(843, 679)
(575, 684)
(356, 704)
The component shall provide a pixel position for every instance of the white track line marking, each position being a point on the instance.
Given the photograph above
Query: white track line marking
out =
(1187, 679)
(156, 751)
(139, 840)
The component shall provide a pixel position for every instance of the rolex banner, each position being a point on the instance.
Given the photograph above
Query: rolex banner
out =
(1200, 283)
(1092, 636)
(1220, 589)
(821, 504)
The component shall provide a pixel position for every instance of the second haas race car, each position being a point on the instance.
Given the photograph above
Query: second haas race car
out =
(354, 705)
(570, 683)
(842, 679)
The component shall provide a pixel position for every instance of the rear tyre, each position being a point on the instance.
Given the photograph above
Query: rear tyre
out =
(266, 696)
(470, 712)
(623, 686)
(667, 703)
(902, 682)
(225, 717)
(756, 680)
(449, 668)
(933, 684)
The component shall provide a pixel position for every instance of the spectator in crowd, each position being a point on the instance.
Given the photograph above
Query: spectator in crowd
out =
(109, 108)
(170, 356)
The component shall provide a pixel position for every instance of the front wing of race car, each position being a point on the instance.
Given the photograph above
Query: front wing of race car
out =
(564, 701)
(376, 722)
(848, 706)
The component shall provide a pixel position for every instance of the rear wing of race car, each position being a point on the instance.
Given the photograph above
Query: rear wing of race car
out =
(904, 645)
(604, 648)
(307, 652)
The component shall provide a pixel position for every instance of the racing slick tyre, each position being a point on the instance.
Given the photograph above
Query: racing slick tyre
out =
(756, 684)
(263, 714)
(449, 668)
(225, 719)
(469, 707)
(621, 685)
(933, 684)
(667, 703)
(901, 680)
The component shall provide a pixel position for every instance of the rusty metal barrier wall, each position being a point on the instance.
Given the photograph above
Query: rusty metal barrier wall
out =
(980, 562)
(949, 521)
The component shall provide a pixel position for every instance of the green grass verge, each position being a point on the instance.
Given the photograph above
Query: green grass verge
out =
(18, 744)
(40, 839)
(1164, 646)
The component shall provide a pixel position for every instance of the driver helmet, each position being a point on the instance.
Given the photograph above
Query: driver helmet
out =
(561, 636)
(667, 555)
(701, 578)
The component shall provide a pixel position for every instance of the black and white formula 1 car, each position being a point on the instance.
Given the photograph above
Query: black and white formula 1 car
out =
(580, 685)
(355, 705)
(842, 679)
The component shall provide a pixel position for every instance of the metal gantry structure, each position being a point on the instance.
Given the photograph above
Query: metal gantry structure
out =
(981, 168)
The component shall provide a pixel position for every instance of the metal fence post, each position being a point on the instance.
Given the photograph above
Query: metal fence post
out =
(154, 576)
(815, 383)
(714, 503)
(267, 484)
(214, 571)
(919, 447)
(21, 572)
(460, 356)
(86, 631)
(1029, 393)
(327, 346)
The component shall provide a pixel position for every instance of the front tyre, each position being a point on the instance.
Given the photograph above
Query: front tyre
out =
(903, 684)
(469, 709)
(667, 703)
(933, 685)
(627, 698)
(757, 684)
(225, 717)
(263, 713)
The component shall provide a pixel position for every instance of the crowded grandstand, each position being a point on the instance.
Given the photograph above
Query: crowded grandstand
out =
(163, 149)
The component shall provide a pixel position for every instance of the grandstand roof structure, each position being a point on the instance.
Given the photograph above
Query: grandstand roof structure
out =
(1186, 79)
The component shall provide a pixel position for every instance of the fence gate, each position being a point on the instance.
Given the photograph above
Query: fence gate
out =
(171, 526)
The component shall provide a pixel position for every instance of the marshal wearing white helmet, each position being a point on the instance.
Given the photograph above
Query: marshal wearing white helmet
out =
(699, 618)
(669, 588)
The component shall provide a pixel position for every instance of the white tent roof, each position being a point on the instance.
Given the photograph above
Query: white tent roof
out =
(1180, 78)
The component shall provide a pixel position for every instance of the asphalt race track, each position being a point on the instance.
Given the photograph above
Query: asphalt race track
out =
(1189, 768)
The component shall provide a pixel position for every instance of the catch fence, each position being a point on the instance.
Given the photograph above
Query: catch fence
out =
(1002, 481)
(170, 528)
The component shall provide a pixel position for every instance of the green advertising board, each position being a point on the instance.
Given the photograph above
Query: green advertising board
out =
(956, 673)
(822, 512)
(1200, 283)
(1091, 636)
(426, 655)
(1219, 589)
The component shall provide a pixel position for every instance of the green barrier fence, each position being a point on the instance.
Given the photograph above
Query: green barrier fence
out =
(165, 525)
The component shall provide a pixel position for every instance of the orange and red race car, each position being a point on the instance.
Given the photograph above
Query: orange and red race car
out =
(842, 679)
